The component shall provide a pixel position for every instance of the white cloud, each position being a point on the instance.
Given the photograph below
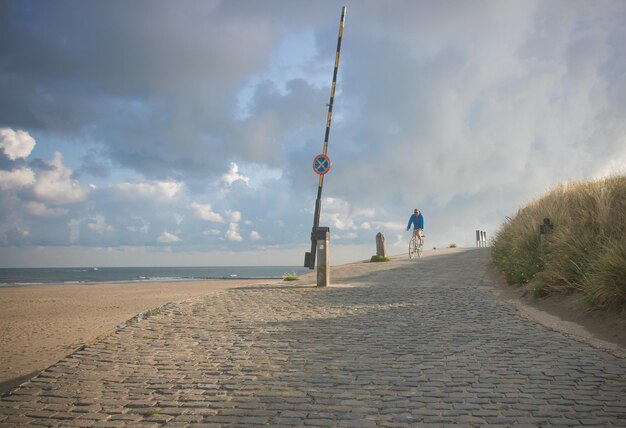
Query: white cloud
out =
(162, 190)
(139, 229)
(391, 225)
(41, 210)
(168, 238)
(16, 144)
(235, 216)
(339, 214)
(233, 175)
(365, 212)
(57, 186)
(17, 178)
(205, 212)
(232, 234)
(211, 232)
(99, 225)
(255, 236)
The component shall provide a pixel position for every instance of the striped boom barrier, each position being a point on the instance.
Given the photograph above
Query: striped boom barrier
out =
(309, 258)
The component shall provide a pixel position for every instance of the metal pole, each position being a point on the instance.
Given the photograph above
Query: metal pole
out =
(310, 259)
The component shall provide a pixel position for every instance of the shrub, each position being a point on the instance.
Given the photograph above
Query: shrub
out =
(376, 259)
(453, 245)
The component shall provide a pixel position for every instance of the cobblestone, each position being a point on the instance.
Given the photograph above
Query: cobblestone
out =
(406, 343)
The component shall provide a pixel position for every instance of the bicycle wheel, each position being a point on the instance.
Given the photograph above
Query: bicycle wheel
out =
(420, 248)
(412, 248)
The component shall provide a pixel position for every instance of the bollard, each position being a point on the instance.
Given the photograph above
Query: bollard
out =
(380, 245)
(481, 239)
(545, 229)
(322, 235)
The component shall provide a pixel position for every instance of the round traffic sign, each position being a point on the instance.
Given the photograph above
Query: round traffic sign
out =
(321, 164)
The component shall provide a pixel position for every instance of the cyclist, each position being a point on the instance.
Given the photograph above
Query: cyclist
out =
(417, 220)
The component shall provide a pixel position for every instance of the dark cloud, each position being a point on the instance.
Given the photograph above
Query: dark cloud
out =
(94, 164)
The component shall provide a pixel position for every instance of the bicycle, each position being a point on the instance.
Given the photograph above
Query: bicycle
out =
(416, 246)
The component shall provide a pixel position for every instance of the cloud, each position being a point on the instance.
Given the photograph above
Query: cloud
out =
(235, 216)
(232, 234)
(205, 212)
(16, 144)
(233, 175)
(41, 210)
(162, 190)
(94, 164)
(17, 178)
(168, 238)
(56, 185)
(342, 215)
(255, 236)
(99, 225)
(211, 232)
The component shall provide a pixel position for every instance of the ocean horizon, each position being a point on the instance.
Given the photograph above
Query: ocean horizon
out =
(91, 275)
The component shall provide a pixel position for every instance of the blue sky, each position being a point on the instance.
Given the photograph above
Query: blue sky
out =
(183, 133)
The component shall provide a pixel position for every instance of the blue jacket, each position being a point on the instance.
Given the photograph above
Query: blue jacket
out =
(417, 221)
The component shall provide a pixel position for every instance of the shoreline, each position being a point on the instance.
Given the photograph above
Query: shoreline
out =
(41, 324)
(132, 282)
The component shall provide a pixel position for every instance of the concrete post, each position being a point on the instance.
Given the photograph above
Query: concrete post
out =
(381, 251)
(477, 238)
(322, 235)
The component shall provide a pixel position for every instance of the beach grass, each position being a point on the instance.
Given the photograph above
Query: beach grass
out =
(584, 254)
(290, 276)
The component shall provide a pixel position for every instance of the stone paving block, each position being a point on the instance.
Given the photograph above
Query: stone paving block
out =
(407, 344)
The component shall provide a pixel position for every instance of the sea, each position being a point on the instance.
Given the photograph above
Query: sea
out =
(13, 277)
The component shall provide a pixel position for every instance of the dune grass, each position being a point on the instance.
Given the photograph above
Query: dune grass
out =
(290, 276)
(586, 253)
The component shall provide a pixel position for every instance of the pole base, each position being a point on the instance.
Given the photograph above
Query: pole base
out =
(309, 261)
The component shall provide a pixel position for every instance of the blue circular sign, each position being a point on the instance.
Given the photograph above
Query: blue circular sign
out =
(321, 164)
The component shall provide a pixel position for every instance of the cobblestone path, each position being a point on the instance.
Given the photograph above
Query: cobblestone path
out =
(406, 343)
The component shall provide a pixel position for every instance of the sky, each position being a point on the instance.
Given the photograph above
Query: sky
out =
(158, 133)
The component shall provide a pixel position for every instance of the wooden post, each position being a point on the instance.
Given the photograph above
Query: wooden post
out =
(545, 229)
(380, 245)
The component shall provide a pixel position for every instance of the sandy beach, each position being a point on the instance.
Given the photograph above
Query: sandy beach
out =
(41, 324)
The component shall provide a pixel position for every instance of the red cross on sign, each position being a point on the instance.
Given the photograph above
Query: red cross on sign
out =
(321, 164)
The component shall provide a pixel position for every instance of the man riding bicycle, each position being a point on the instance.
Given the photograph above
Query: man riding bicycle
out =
(417, 220)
